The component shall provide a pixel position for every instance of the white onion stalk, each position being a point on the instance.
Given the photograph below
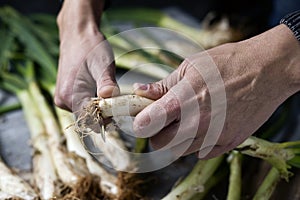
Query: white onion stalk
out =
(90, 122)
(70, 169)
(4, 195)
(44, 173)
(13, 186)
(125, 105)
(99, 109)
(108, 182)
(114, 149)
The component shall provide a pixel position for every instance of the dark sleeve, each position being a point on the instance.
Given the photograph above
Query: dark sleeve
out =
(292, 20)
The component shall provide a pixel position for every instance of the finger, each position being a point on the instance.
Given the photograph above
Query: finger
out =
(152, 90)
(179, 103)
(193, 147)
(164, 139)
(158, 89)
(157, 115)
(211, 152)
(189, 146)
(203, 151)
(84, 89)
(72, 94)
(62, 98)
(179, 144)
(160, 113)
(107, 85)
(220, 149)
(63, 90)
(180, 132)
(102, 68)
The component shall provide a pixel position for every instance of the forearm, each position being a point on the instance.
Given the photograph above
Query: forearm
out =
(79, 16)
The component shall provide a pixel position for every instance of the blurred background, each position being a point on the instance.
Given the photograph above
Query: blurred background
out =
(255, 12)
(252, 15)
(244, 18)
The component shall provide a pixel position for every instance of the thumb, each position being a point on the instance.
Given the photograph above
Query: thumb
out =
(102, 68)
(107, 85)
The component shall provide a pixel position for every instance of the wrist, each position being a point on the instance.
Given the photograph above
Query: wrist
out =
(80, 16)
(287, 56)
(289, 48)
(292, 21)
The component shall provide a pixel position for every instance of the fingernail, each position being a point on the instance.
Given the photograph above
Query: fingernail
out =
(140, 86)
(108, 91)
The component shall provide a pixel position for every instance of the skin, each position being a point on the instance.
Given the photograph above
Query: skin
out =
(258, 75)
(86, 64)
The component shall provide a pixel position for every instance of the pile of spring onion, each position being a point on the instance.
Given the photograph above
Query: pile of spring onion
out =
(62, 167)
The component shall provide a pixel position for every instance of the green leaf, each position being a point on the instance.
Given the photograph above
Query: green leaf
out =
(26, 70)
(295, 162)
(46, 30)
(274, 153)
(9, 108)
(42, 18)
(151, 16)
(34, 49)
(6, 47)
(290, 144)
(7, 86)
(140, 145)
(268, 185)
(13, 80)
(29, 73)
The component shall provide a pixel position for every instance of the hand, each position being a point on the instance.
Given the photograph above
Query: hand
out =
(257, 75)
(86, 62)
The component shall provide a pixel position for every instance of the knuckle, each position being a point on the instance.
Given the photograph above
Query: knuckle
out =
(169, 108)
(106, 77)
(186, 62)
(61, 99)
(107, 80)
(59, 18)
(161, 87)
(58, 101)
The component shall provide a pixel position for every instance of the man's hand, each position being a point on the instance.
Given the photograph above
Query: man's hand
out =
(86, 63)
(257, 74)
